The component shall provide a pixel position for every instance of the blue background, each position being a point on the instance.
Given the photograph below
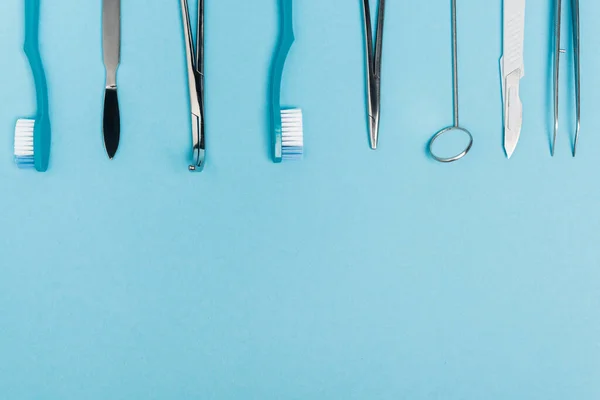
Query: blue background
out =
(351, 275)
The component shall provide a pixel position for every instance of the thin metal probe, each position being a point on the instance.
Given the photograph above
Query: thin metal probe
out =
(379, 40)
(200, 38)
(557, 52)
(576, 44)
(455, 63)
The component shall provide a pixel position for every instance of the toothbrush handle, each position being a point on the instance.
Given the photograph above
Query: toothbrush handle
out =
(31, 47)
(287, 20)
(286, 39)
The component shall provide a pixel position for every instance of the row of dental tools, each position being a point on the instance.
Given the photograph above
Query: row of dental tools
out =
(374, 59)
(111, 35)
(511, 67)
(111, 40)
(33, 136)
(513, 70)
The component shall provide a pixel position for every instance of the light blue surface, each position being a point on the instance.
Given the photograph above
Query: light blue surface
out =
(351, 275)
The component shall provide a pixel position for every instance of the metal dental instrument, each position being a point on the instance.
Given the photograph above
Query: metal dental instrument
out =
(557, 53)
(374, 68)
(195, 71)
(456, 126)
(513, 70)
(111, 43)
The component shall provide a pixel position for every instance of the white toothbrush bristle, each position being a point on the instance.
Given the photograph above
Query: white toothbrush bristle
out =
(292, 134)
(24, 143)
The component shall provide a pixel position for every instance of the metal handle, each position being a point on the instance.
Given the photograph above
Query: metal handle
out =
(456, 126)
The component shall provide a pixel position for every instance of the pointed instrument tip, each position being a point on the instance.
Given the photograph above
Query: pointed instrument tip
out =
(111, 152)
(373, 132)
(510, 149)
(373, 139)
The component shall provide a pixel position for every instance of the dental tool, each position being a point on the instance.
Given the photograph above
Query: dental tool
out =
(195, 74)
(513, 70)
(373, 68)
(576, 54)
(456, 127)
(111, 42)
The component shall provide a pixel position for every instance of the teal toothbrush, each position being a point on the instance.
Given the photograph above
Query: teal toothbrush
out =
(32, 136)
(287, 130)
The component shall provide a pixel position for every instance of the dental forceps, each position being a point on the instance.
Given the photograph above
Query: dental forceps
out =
(195, 71)
(374, 68)
(557, 52)
(456, 126)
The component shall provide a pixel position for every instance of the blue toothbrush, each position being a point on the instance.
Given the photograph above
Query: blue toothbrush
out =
(287, 130)
(32, 136)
